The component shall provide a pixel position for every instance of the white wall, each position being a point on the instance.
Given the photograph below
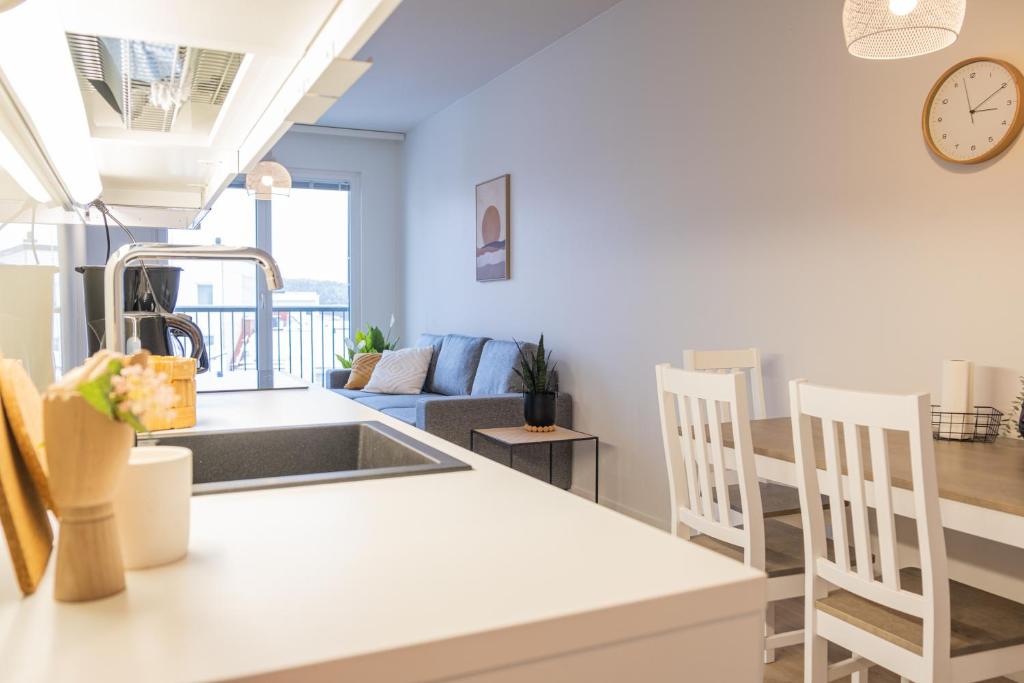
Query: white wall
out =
(708, 174)
(378, 165)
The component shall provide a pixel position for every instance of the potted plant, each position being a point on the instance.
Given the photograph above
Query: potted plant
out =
(370, 340)
(540, 387)
(1010, 428)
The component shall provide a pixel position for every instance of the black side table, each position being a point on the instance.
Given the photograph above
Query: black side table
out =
(513, 437)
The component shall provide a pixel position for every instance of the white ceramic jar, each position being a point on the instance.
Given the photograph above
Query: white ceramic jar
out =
(152, 506)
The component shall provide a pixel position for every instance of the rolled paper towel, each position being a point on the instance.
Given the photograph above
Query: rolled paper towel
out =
(957, 397)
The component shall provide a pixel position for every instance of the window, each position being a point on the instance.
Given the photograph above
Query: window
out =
(204, 295)
(226, 312)
(310, 240)
(308, 234)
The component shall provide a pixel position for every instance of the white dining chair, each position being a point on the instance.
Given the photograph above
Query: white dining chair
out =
(747, 361)
(778, 500)
(693, 404)
(914, 621)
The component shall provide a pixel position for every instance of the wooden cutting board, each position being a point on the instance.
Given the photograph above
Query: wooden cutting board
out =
(22, 513)
(24, 407)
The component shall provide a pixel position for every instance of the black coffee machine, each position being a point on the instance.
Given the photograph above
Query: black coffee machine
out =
(150, 295)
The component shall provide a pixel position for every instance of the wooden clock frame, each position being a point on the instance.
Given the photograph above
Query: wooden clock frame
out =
(1015, 125)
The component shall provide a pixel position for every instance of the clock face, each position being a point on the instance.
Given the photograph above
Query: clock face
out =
(973, 112)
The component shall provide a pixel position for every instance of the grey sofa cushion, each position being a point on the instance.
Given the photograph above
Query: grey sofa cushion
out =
(495, 375)
(456, 365)
(403, 414)
(435, 340)
(383, 401)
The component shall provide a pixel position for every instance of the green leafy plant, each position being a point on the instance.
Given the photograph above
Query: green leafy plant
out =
(1009, 426)
(370, 340)
(535, 370)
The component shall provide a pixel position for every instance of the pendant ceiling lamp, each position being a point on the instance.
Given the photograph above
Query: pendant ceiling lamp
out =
(894, 29)
(267, 179)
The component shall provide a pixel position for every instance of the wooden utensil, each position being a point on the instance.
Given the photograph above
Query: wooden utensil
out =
(22, 513)
(87, 454)
(24, 408)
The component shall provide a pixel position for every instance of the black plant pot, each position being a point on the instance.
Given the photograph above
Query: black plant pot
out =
(539, 409)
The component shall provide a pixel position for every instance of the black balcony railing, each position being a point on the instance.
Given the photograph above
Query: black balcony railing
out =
(306, 339)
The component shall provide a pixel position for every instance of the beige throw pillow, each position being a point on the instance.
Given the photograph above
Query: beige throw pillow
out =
(401, 372)
(362, 369)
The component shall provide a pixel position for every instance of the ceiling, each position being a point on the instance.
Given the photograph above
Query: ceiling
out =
(430, 53)
(161, 147)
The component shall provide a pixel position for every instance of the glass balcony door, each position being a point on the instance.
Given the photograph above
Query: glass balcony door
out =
(255, 337)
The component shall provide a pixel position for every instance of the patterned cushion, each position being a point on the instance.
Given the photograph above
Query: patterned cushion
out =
(495, 373)
(400, 372)
(362, 368)
(456, 365)
(434, 340)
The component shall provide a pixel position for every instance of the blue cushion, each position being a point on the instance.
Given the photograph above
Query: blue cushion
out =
(353, 393)
(494, 374)
(435, 340)
(404, 414)
(382, 401)
(456, 365)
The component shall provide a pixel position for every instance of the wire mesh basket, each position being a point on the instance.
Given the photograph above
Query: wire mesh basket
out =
(982, 424)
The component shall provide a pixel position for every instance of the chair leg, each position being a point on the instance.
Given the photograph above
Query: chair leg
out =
(859, 676)
(815, 659)
(769, 631)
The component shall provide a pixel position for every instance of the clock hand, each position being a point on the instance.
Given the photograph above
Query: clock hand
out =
(969, 107)
(989, 97)
(978, 111)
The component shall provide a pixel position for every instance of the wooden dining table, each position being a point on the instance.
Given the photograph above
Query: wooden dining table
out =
(981, 485)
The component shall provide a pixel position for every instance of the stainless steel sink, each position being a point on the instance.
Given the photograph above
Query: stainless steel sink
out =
(294, 456)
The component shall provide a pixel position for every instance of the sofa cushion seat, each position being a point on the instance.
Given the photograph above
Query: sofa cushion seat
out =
(384, 402)
(353, 393)
(456, 365)
(407, 415)
(496, 372)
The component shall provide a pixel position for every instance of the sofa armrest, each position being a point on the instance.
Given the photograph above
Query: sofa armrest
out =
(453, 417)
(336, 379)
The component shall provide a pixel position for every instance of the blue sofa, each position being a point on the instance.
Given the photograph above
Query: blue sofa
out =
(470, 385)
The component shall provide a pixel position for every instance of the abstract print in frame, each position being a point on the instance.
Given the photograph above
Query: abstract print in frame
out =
(492, 214)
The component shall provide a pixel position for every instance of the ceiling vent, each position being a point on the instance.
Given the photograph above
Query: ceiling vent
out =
(148, 84)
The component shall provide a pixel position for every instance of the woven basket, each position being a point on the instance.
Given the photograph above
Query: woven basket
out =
(182, 374)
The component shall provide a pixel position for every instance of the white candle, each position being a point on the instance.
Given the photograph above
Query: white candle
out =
(152, 506)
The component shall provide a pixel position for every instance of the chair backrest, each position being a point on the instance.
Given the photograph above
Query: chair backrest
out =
(743, 360)
(858, 430)
(690, 404)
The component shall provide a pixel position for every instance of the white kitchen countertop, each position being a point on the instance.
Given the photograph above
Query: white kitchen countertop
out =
(407, 578)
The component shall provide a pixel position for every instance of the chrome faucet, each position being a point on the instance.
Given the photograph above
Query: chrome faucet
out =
(113, 276)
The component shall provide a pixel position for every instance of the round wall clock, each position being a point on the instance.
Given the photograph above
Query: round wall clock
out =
(973, 111)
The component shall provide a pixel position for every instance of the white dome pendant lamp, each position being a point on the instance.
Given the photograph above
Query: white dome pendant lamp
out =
(895, 29)
(267, 179)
